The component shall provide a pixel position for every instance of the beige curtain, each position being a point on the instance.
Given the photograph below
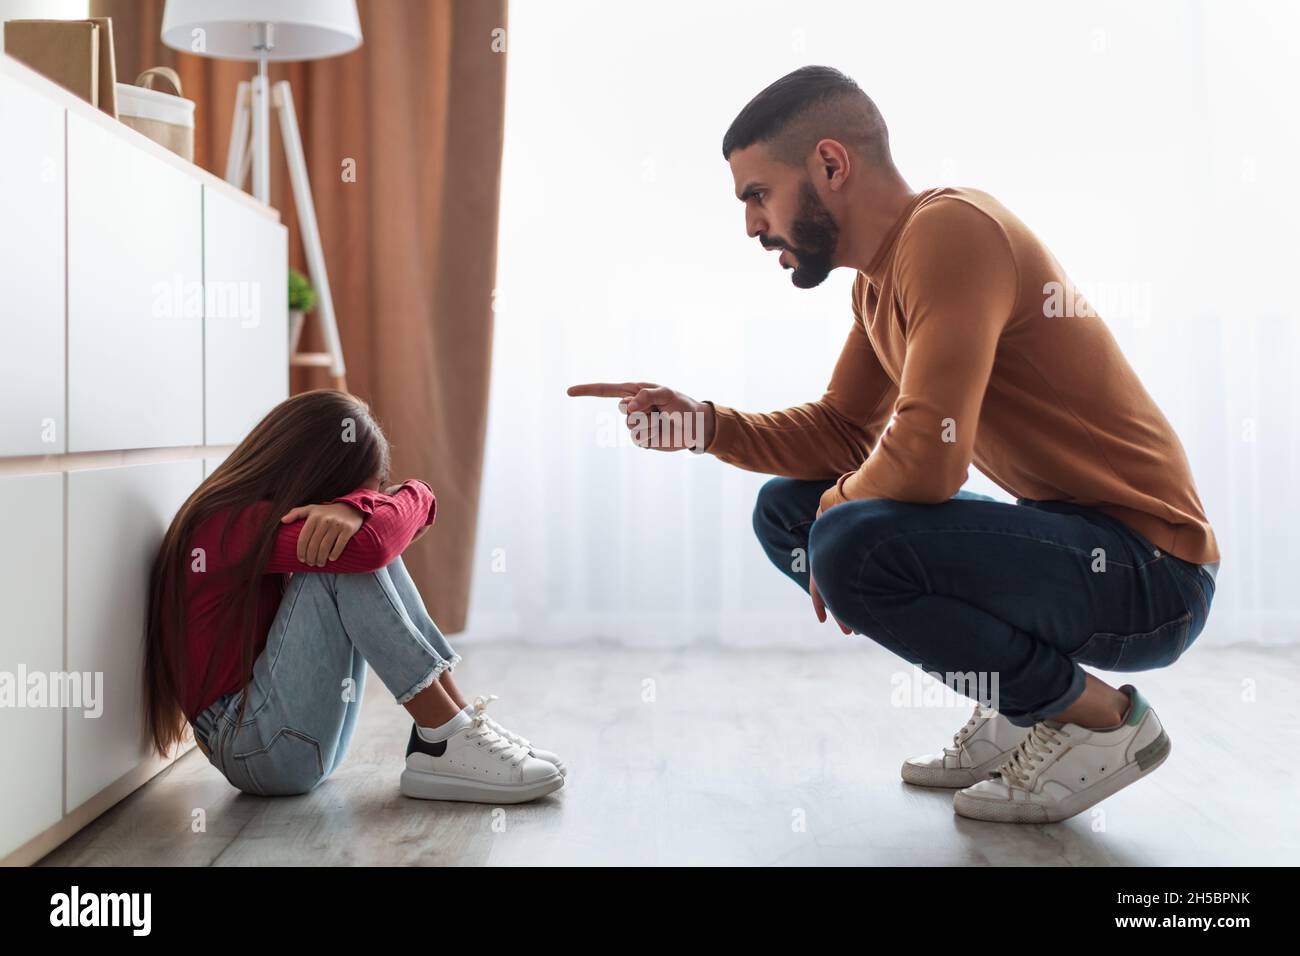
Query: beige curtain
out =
(410, 245)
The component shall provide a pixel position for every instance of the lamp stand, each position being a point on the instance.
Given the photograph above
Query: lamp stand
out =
(252, 108)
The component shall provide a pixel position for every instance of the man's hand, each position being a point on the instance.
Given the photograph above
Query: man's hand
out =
(327, 531)
(819, 606)
(658, 417)
(830, 498)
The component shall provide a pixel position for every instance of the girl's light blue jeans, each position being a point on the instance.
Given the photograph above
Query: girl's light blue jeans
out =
(308, 681)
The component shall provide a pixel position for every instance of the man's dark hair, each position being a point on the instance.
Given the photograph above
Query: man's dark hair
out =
(800, 109)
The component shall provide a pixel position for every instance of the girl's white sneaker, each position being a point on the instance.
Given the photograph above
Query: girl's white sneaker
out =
(985, 743)
(480, 711)
(475, 764)
(1060, 770)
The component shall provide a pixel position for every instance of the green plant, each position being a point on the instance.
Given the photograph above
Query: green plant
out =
(302, 297)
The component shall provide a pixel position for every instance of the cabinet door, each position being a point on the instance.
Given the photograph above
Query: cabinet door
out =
(135, 296)
(31, 273)
(246, 325)
(116, 520)
(31, 654)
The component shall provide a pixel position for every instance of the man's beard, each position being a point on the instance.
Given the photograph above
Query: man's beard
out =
(813, 239)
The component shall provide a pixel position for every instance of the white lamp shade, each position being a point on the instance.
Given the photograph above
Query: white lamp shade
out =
(303, 29)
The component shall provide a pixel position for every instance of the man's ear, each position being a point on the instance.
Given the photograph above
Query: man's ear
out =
(832, 163)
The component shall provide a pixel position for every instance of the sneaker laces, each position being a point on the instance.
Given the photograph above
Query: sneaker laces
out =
(496, 744)
(1039, 744)
(480, 711)
(976, 720)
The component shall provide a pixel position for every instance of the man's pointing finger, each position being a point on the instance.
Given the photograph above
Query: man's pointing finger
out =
(605, 389)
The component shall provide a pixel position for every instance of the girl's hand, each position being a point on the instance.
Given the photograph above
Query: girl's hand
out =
(327, 531)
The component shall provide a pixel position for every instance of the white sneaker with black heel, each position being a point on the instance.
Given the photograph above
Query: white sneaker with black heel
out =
(479, 709)
(474, 764)
(1060, 770)
(985, 743)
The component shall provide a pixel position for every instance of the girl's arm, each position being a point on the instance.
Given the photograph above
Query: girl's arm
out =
(375, 529)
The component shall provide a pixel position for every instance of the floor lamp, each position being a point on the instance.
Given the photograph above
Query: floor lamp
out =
(263, 31)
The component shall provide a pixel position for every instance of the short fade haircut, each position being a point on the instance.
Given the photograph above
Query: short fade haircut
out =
(804, 107)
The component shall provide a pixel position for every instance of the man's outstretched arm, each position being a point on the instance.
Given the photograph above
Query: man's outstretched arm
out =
(821, 439)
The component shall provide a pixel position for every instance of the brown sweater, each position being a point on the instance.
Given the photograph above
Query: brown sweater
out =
(960, 335)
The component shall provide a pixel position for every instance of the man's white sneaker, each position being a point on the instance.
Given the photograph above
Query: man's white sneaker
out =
(480, 710)
(475, 764)
(978, 748)
(1063, 769)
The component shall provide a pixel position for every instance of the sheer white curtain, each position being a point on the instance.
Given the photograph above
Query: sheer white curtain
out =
(1152, 146)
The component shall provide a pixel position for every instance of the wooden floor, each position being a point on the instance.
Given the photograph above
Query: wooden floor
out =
(742, 757)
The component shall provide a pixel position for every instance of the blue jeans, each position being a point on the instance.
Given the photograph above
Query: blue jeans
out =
(308, 681)
(1021, 594)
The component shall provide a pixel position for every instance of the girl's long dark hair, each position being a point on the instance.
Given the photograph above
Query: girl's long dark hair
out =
(308, 449)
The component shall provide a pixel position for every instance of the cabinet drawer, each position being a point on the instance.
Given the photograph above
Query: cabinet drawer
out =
(31, 273)
(246, 327)
(135, 296)
(116, 520)
(31, 648)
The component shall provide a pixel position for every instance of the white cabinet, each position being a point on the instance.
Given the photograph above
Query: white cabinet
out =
(31, 652)
(121, 383)
(135, 295)
(245, 328)
(116, 519)
(31, 273)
